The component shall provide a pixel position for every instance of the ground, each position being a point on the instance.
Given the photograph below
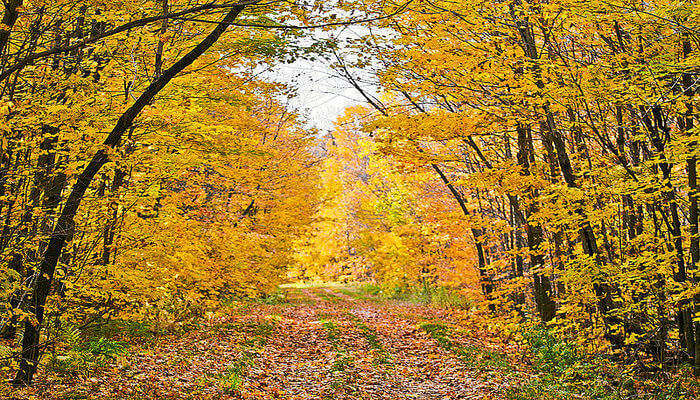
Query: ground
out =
(319, 343)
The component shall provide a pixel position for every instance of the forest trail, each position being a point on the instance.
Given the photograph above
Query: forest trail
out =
(319, 343)
(333, 345)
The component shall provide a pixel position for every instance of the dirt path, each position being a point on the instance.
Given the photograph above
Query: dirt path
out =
(323, 343)
(345, 347)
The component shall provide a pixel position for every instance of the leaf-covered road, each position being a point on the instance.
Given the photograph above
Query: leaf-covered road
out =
(321, 343)
(331, 345)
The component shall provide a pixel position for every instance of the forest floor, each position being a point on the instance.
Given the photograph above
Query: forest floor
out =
(318, 343)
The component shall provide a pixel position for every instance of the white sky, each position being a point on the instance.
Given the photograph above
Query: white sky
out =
(323, 94)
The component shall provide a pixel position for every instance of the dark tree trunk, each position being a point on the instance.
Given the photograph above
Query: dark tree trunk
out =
(8, 20)
(542, 287)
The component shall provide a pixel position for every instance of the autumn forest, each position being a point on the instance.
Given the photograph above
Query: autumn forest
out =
(507, 207)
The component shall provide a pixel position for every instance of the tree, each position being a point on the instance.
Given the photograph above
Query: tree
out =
(65, 222)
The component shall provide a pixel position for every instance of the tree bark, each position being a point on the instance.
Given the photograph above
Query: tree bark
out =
(8, 20)
(542, 287)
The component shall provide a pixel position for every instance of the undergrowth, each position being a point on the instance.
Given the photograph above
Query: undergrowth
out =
(419, 293)
(563, 373)
(82, 352)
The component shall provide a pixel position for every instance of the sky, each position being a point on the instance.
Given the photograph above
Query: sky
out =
(323, 94)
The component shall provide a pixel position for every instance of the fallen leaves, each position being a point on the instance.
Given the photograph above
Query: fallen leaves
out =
(319, 345)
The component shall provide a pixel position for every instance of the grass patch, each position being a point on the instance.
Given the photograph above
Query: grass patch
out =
(273, 299)
(328, 297)
(370, 289)
(313, 285)
(332, 332)
(82, 351)
(365, 292)
(76, 394)
(139, 331)
(440, 333)
(428, 294)
(480, 358)
(232, 378)
(257, 334)
(422, 293)
(340, 371)
(243, 305)
(323, 316)
(254, 330)
(343, 361)
(370, 335)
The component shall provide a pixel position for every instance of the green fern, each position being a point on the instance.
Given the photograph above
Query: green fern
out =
(70, 335)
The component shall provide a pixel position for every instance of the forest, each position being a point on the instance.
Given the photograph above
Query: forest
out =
(508, 207)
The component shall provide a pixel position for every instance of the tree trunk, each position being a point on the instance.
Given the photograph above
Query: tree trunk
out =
(542, 287)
